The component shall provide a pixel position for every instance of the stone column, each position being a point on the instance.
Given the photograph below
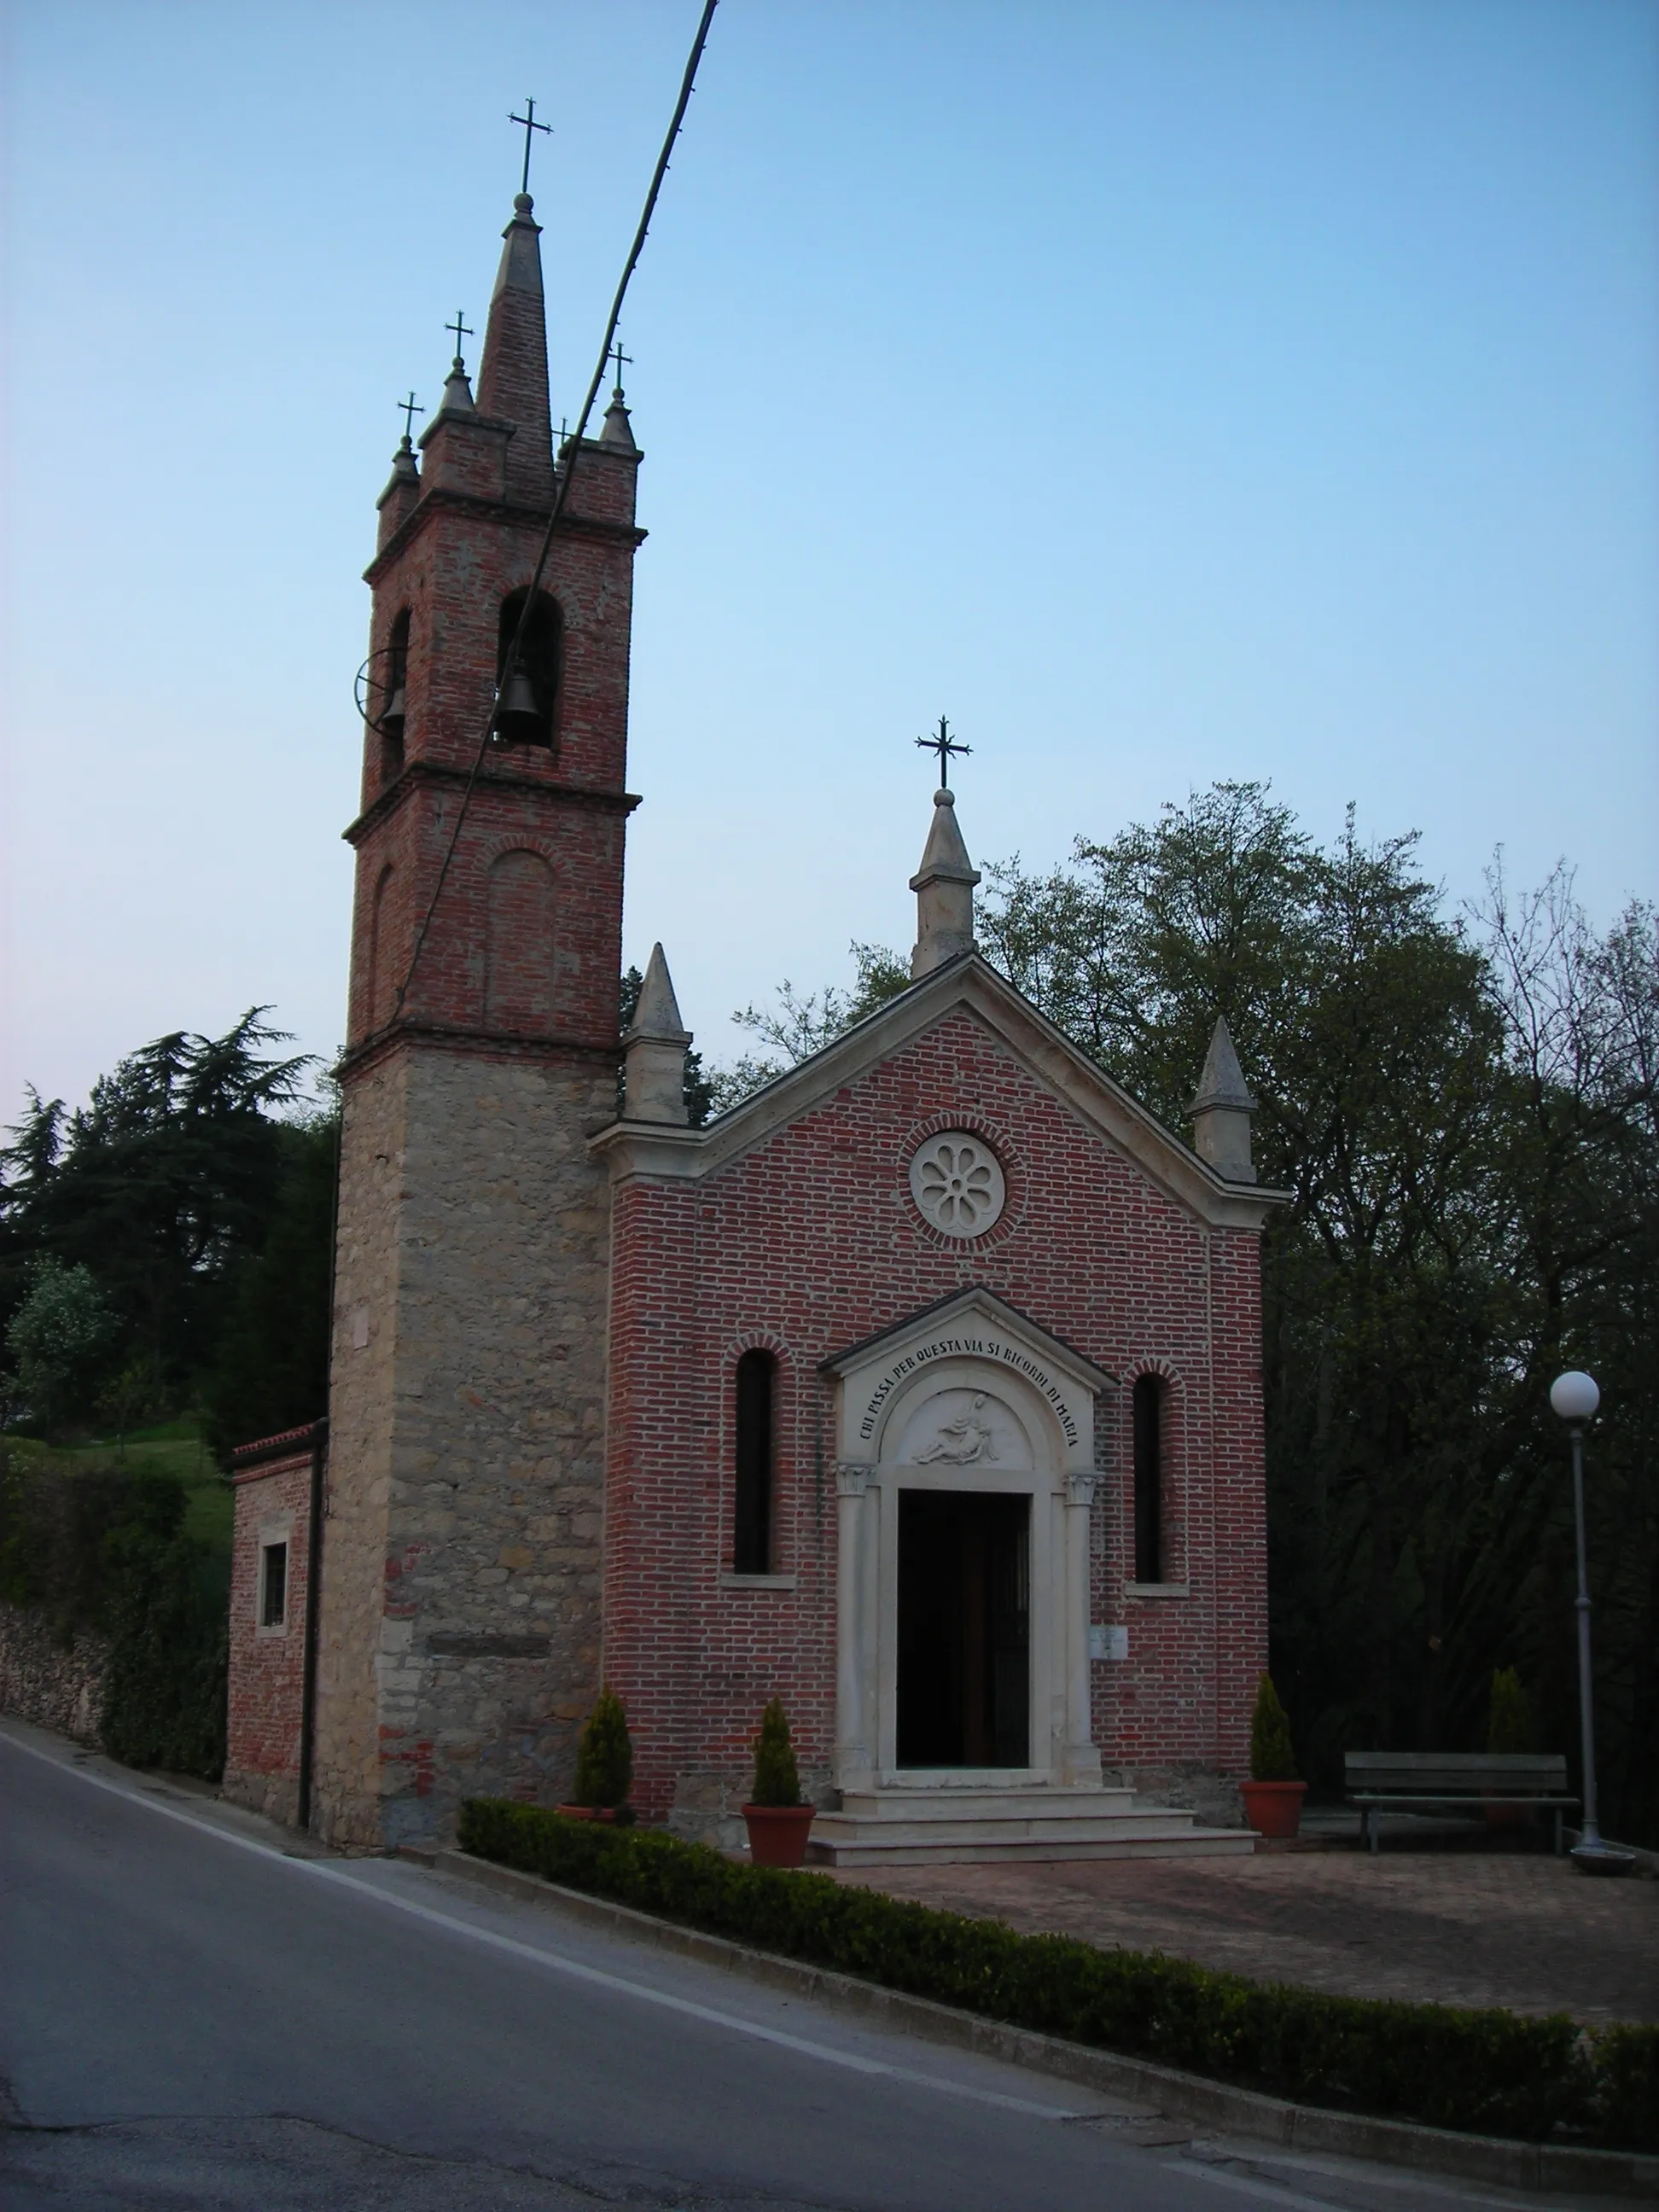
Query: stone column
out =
(1082, 1758)
(852, 1746)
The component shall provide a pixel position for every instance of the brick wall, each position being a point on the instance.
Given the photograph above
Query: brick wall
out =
(272, 1489)
(808, 1242)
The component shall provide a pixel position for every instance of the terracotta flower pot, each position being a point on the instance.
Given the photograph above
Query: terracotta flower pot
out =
(1273, 1809)
(588, 1812)
(778, 1833)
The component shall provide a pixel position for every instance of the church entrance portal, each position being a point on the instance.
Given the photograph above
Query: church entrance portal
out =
(964, 1629)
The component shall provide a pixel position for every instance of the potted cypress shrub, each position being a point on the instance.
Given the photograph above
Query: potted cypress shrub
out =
(1509, 1729)
(605, 1765)
(1272, 1796)
(777, 1821)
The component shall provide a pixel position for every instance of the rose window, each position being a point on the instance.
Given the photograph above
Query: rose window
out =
(956, 1182)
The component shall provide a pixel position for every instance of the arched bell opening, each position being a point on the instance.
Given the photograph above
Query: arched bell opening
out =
(394, 689)
(527, 671)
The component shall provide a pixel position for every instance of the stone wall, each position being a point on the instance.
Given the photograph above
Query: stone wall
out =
(461, 1547)
(50, 1684)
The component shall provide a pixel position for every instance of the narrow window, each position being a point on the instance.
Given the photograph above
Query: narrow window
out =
(752, 1548)
(1149, 1478)
(273, 1585)
(394, 713)
(528, 689)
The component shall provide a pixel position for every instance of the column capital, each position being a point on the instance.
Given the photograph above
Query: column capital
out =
(1080, 1489)
(853, 1478)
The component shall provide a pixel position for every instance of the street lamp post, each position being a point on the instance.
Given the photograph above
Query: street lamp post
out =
(1575, 1397)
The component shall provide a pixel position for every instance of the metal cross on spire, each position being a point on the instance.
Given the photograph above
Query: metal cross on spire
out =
(528, 125)
(945, 746)
(409, 410)
(462, 328)
(617, 354)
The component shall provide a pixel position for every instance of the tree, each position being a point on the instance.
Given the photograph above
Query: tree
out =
(272, 1369)
(59, 1339)
(163, 1184)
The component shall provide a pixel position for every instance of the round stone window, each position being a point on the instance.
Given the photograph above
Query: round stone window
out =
(957, 1182)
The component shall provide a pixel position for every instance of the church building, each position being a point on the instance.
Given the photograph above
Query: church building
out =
(921, 1390)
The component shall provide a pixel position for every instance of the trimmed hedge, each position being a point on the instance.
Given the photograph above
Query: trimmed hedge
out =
(1493, 2072)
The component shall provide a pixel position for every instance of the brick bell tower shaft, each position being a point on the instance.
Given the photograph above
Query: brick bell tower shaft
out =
(459, 1620)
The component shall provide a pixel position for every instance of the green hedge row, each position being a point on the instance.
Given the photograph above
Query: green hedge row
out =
(1493, 2072)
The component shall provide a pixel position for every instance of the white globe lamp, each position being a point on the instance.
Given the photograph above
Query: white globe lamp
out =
(1575, 1397)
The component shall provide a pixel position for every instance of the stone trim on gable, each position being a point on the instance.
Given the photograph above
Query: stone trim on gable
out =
(968, 985)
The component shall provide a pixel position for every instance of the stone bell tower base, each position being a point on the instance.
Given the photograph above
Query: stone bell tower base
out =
(461, 1567)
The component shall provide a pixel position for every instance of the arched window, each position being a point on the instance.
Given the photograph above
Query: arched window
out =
(519, 919)
(394, 692)
(751, 1538)
(527, 709)
(1149, 1478)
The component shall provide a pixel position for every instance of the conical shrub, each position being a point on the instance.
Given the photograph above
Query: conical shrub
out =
(777, 1780)
(605, 1757)
(1272, 1759)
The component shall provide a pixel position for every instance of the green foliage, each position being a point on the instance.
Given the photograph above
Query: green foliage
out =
(1465, 1113)
(164, 1184)
(59, 1339)
(1272, 1759)
(605, 1757)
(164, 1694)
(777, 1782)
(1509, 1724)
(106, 1549)
(797, 1028)
(1490, 2071)
(271, 1371)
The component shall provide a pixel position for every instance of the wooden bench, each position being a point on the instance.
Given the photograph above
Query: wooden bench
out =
(1462, 1781)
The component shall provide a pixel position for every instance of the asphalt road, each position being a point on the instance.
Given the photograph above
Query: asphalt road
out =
(192, 2017)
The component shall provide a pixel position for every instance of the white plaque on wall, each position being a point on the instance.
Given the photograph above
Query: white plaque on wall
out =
(1109, 1643)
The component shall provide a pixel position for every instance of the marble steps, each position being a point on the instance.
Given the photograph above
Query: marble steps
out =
(965, 1826)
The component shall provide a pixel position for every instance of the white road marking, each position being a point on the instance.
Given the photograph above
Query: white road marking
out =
(323, 1870)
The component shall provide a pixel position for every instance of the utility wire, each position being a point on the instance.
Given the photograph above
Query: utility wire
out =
(562, 492)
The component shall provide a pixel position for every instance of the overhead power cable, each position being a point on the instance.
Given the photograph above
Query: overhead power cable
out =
(562, 492)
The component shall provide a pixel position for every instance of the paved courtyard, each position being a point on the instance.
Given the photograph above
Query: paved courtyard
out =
(1462, 1927)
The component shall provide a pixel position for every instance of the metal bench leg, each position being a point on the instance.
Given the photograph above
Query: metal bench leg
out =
(1372, 1831)
(1559, 1837)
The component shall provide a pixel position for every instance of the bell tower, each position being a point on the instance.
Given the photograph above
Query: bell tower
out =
(459, 1623)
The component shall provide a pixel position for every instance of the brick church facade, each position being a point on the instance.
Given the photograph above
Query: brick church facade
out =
(921, 1389)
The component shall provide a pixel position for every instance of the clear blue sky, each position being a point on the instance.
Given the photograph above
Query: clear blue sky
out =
(1165, 390)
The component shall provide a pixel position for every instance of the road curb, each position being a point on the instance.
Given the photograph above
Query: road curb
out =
(1179, 2095)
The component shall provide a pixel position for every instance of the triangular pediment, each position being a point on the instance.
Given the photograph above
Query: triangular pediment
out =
(969, 985)
(971, 1341)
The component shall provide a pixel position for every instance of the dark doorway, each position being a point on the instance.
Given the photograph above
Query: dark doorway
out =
(964, 1629)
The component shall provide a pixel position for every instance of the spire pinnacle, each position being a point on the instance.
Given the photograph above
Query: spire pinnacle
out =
(654, 1049)
(1222, 1108)
(944, 885)
(513, 368)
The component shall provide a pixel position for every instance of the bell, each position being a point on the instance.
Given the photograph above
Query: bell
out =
(391, 722)
(517, 719)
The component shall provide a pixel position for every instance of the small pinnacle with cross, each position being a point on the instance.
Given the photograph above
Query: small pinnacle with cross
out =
(621, 358)
(409, 410)
(462, 328)
(528, 125)
(945, 746)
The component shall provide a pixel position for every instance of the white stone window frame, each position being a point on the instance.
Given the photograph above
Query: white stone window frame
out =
(993, 1199)
(272, 1533)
